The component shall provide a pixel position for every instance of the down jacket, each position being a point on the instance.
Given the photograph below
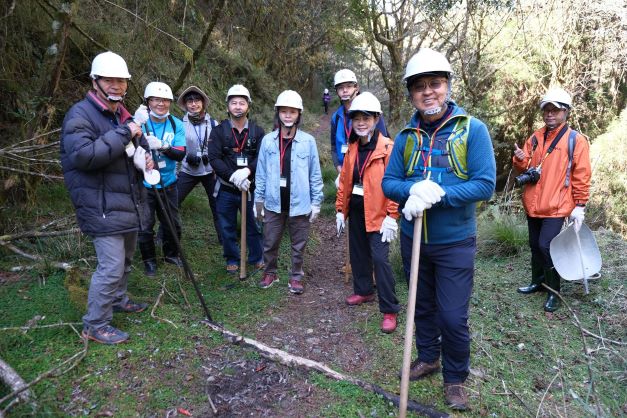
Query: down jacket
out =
(103, 183)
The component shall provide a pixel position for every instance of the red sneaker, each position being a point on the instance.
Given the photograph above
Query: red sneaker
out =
(267, 280)
(295, 286)
(389, 323)
(353, 300)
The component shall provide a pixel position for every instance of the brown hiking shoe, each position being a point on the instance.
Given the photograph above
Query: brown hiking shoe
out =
(456, 397)
(267, 280)
(420, 369)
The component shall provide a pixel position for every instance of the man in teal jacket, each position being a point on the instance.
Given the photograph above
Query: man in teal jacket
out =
(441, 165)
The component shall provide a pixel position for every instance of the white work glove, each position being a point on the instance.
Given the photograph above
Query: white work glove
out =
(141, 115)
(139, 159)
(258, 211)
(577, 216)
(239, 176)
(428, 191)
(157, 144)
(414, 207)
(337, 182)
(244, 185)
(388, 229)
(340, 223)
(315, 211)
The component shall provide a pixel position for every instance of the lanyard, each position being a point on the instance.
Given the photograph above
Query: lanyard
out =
(155, 131)
(201, 145)
(282, 150)
(361, 170)
(426, 160)
(240, 146)
(347, 129)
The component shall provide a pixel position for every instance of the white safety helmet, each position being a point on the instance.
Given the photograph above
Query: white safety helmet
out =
(426, 61)
(367, 103)
(289, 98)
(558, 97)
(326, 91)
(238, 90)
(158, 89)
(109, 64)
(344, 76)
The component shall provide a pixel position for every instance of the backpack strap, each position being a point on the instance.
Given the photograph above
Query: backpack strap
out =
(572, 139)
(213, 122)
(171, 119)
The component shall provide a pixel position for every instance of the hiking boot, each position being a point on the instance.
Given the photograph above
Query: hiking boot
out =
(456, 397)
(353, 300)
(105, 335)
(130, 307)
(232, 268)
(267, 280)
(150, 268)
(552, 303)
(173, 260)
(532, 288)
(295, 286)
(419, 369)
(389, 323)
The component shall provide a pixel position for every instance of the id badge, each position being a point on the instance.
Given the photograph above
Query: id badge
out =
(344, 148)
(198, 153)
(358, 189)
(283, 182)
(242, 161)
(161, 164)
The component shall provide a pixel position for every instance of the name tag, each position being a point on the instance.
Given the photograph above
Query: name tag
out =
(198, 154)
(242, 161)
(283, 182)
(344, 148)
(358, 189)
(161, 164)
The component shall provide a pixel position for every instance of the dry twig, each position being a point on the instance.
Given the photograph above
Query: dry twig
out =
(154, 307)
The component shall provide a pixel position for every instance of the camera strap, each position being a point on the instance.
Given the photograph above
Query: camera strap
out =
(559, 136)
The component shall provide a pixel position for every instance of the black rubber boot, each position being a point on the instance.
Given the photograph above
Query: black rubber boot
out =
(553, 281)
(537, 277)
(149, 257)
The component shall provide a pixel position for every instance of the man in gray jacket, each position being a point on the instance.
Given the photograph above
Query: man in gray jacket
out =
(100, 152)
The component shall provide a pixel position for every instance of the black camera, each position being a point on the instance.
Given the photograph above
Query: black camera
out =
(205, 159)
(193, 160)
(531, 175)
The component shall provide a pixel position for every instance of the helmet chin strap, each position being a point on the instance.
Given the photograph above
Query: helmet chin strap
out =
(112, 99)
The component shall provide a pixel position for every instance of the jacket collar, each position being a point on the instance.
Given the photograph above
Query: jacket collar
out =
(121, 113)
(457, 111)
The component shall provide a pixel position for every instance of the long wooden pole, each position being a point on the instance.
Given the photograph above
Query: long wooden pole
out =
(411, 308)
(348, 269)
(242, 254)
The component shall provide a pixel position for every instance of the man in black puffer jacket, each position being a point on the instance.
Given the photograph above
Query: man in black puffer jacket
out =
(99, 163)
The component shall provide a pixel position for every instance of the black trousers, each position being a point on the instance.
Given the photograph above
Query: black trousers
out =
(146, 236)
(187, 183)
(541, 233)
(368, 253)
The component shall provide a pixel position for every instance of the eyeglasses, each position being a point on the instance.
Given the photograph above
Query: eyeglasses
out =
(192, 101)
(421, 86)
(552, 109)
(158, 100)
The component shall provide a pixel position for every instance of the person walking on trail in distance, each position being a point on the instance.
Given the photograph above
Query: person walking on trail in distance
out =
(233, 148)
(166, 137)
(326, 99)
(442, 164)
(555, 163)
(373, 216)
(288, 189)
(101, 153)
(195, 168)
(347, 89)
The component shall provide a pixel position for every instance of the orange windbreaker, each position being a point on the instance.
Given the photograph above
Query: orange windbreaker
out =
(376, 205)
(548, 198)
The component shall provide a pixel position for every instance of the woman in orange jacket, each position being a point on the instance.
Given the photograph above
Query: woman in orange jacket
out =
(373, 216)
(556, 185)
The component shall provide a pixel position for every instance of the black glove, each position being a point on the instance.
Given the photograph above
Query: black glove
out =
(193, 160)
(205, 159)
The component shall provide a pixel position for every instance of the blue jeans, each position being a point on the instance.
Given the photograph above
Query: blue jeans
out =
(228, 204)
(445, 280)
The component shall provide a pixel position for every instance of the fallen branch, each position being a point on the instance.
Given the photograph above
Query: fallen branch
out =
(288, 359)
(56, 371)
(154, 308)
(33, 257)
(31, 173)
(605, 340)
(38, 234)
(15, 382)
(29, 327)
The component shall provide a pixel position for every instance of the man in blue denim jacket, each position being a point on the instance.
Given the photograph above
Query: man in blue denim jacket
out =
(289, 189)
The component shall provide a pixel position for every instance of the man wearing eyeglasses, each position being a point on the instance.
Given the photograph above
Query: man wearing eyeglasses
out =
(555, 167)
(441, 165)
